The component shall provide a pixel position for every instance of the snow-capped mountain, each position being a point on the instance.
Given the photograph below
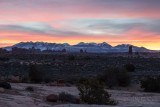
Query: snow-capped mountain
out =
(82, 44)
(92, 44)
(104, 44)
(39, 45)
(89, 47)
(125, 47)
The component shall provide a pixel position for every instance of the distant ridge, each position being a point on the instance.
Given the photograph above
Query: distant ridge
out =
(88, 47)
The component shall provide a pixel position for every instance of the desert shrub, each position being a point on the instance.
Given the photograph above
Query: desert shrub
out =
(82, 80)
(35, 75)
(115, 77)
(109, 77)
(151, 84)
(5, 85)
(87, 58)
(25, 78)
(31, 89)
(123, 78)
(4, 59)
(92, 92)
(65, 97)
(130, 67)
(71, 57)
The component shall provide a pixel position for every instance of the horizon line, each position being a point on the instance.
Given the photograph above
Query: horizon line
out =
(76, 44)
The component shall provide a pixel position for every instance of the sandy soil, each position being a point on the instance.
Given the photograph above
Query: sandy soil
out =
(19, 97)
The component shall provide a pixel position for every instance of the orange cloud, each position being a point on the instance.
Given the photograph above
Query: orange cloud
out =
(151, 42)
(17, 15)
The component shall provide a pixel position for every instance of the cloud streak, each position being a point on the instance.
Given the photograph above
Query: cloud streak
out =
(124, 21)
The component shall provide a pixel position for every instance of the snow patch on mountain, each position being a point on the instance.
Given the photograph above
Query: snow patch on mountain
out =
(88, 47)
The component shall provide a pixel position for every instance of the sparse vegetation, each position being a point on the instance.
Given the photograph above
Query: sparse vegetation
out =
(30, 89)
(123, 78)
(4, 59)
(35, 75)
(82, 65)
(67, 98)
(130, 67)
(61, 70)
(151, 84)
(115, 76)
(92, 92)
(71, 57)
(5, 85)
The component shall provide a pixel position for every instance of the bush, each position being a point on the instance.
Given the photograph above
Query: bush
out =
(71, 58)
(5, 85)
(123, 78)
(65, 97)
(109, 77)
(30, 89)
(130, 67)
(115, 77)
(87, 58)
(35, 75)
(4, 59)
(151, 84)
(92, 92)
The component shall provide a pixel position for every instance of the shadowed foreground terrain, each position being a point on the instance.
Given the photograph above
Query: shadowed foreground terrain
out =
(19, 97)
(67, 69)
(58, 66)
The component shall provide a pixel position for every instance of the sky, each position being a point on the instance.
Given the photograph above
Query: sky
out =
(116, 22)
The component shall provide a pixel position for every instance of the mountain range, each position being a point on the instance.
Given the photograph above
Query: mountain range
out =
(88, 47)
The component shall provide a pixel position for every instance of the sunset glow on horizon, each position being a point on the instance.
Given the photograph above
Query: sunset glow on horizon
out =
(135, 22)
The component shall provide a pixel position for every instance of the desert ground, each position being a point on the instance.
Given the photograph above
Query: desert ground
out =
(19, 97)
